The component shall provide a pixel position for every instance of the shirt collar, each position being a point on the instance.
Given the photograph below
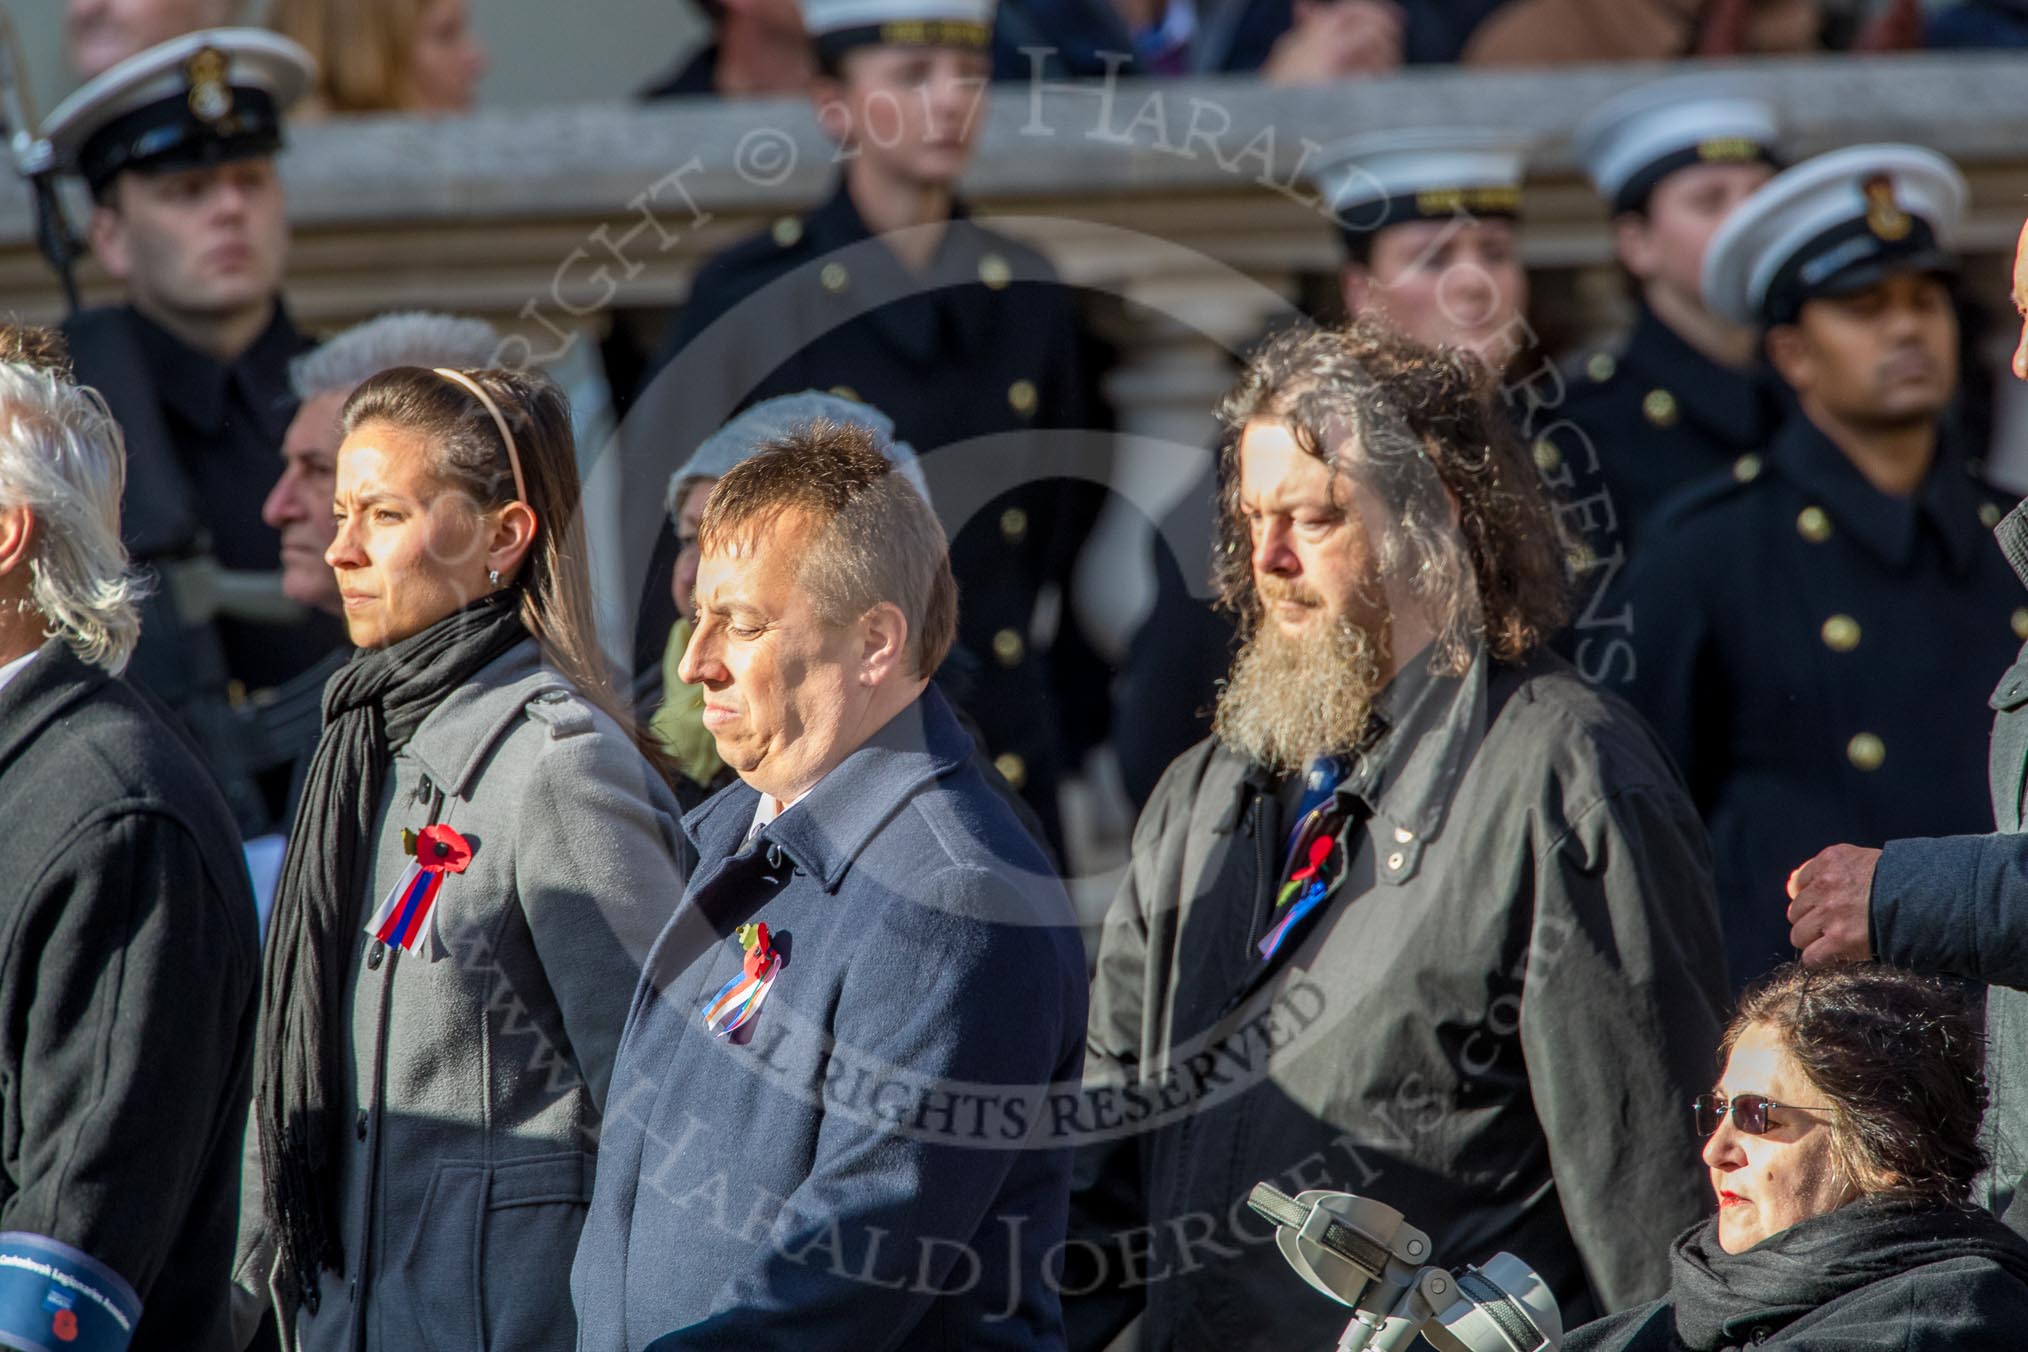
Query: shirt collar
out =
(841, 814)
(767, 809)
(2012, 533)
(16, 667)
(196, 386)
(1887, 526)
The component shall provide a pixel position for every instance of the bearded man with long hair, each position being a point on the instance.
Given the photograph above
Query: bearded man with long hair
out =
(1426, 918)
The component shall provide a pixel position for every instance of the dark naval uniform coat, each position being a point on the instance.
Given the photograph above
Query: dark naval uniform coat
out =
(975, 362)
(129, 977)
(1493, 1026)
(1817, 656)
(203, 449)
(1661, 415)
(868, 1163)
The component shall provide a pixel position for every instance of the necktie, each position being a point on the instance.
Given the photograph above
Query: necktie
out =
(1315, 862)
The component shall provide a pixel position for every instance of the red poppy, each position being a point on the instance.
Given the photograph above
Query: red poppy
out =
(439, 849)
(1320, 850)
(64, 1326)
(760, 955)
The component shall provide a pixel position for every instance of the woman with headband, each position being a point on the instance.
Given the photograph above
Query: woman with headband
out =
(482, 854)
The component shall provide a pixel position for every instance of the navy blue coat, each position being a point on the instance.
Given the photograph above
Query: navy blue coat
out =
(866, 1163)
(1660, 416)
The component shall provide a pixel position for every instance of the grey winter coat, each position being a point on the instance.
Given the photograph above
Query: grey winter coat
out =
(479, 1064)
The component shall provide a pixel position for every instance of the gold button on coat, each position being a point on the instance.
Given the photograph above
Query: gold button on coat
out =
(1814, 524)
(1747, 468)
(995, 271)
(847, 392)
(1012, 769)
(1013, 523)
(1021, 397)
(788, 231)
(1659, 408)
(1601, 366)
(1990, 514)
(1866, 751)
(1008, 647)
(1841, 633)
(2021, 622)
(833, 277)
(1547, 457)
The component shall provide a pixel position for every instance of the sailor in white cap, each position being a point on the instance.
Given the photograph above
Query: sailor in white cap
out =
(888, 294)
(1688, 393)
(1787, 618)
(1430, 222)
(177, 145)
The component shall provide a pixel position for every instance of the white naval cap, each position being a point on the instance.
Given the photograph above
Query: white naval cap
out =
(1631, 143)
(203, 98)
(1371, 182)
(836, 25)
(1831, 226)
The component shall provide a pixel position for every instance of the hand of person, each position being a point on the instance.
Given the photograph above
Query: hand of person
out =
(1331, 39)
(1830, 905)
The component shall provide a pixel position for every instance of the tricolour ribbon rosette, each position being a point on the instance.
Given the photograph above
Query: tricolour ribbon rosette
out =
(403, 918)
(739, 999)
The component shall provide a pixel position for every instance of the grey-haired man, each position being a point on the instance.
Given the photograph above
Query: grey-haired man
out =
(128, 960)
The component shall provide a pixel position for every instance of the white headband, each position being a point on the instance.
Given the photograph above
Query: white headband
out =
(513, 451)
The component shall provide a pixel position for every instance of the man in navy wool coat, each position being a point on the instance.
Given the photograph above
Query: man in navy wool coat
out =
(829, 1124)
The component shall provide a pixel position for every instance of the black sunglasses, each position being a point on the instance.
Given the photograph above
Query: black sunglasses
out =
(1749, 1112)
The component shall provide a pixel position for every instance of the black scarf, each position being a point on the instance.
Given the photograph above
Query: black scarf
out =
(1721, 1297)
(371, 708)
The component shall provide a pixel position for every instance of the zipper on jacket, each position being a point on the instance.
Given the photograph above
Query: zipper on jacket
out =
(1255, 825)
(1263, 874)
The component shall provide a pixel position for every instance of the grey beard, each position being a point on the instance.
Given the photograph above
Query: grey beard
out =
(1290, 699)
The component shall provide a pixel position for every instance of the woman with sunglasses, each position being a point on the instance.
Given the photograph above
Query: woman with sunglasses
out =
(1842, 1139)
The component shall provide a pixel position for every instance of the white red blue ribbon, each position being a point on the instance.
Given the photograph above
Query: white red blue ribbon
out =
(740, 999)
(403, 917)
(737, 1001)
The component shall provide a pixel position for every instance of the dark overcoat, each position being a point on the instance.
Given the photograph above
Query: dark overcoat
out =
(129, 966)
(1494, 1026)
(1815, 653)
